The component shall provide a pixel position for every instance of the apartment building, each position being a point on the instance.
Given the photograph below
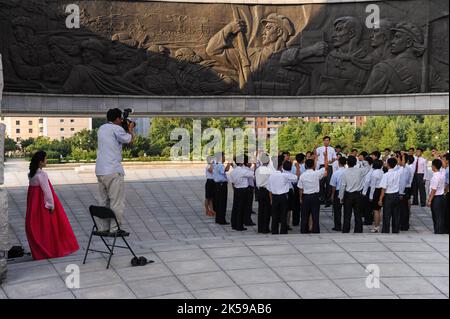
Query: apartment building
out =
(22, 128)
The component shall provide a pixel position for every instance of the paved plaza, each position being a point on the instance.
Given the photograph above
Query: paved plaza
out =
(195, 258)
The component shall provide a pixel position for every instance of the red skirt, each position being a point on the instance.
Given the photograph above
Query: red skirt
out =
(49, 234)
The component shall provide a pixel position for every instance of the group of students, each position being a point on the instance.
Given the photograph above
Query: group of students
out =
(375, 189)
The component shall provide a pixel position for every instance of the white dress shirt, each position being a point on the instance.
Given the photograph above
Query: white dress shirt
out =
(366, 183)
(262, 175)
(375, 180)
(421, 163)
(438, 183)
(336, 178)
(390, 181)
(279, 182)
(208, 174)
(240, 177)
(309, 181)
(321, 154)
(111, 137)
(404, 180)
(410, 169)
(352, 180)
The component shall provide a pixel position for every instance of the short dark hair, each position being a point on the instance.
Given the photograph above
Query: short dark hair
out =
(280, 160)
(387, 149)
(411, 149)
(309, 163)
(369, 160)
(342, 161)
(410, 159)
(377, 164)
(351, 161)
(326, 137)
(392, 162)
(377, 154)
(113, 114)
(354, 150)
(300, 157)
(437, 163)
(287, 165)
(363, 154)
(419, 149)
(338, 146)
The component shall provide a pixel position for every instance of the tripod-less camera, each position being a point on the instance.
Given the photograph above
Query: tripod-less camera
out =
(126, 121)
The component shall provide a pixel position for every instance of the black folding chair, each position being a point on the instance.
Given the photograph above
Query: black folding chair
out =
(106, 213)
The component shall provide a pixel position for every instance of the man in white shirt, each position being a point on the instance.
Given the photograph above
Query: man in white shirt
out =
(436, 199)
(299, 164)
(262, 175)
(108, 167)
(335, 184)
(405, 190)
(309, 192)
(325, 189)
(418, 184)
(239, 178)
(445, 162)
(390, 198)
(221, 188)
(278, 186)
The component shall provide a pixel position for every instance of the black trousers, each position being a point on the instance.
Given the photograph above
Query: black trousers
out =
(366, 207)
(337, 211)
(438, 214)
(220, 202)
(446, 216)
(279, 214)
(240, 204)
(325, 188)
(352, 205)
(404, 211)
(264, 211)
(310, 207)
(296, 206)
(249, 209)
(391, 212)
(418, 188)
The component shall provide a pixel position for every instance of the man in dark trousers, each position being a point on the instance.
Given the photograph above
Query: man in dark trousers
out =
(352, 183)
(221, 189)
(262, 175)
(240, 178)
(436, 199)
(300, 164)
(309, 192)
(325, 189)
(336, 186)
(418, 184)
(278, 185)
(390, 198)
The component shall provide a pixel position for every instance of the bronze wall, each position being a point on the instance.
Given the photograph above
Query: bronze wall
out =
(188, 49)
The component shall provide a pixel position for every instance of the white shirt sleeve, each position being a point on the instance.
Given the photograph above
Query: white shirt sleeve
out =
(300, 183)
(333, 180)
(383, 183)
(122, 136)
(45, 186)
(434, 183)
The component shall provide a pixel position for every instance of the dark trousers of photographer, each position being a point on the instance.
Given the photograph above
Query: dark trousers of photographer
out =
(112, 195)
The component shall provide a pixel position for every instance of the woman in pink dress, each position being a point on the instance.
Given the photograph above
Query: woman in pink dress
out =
(48, 230)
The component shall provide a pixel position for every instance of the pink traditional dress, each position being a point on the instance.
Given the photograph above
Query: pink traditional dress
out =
(49, 233)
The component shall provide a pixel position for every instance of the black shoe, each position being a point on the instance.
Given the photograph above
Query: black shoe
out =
(336, 229)
(241, 229)
(253, 213)
(368, 223)
(289, 228)
(121, 232)
(223, 223)
(327, 205)
(252, 224)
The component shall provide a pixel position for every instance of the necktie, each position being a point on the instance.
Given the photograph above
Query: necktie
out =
(417, 165)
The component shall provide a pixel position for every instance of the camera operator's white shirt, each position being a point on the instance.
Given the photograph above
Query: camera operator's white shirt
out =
(109, 152)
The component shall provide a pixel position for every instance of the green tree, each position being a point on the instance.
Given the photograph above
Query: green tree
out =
(10, 145)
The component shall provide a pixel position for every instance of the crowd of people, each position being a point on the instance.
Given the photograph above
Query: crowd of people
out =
(376, 189)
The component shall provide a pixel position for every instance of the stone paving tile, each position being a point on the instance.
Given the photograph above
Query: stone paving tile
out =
(233, 263)
(316, 289)
(31, 274)
(64, 295)
(330, 258)
(418, 257)
(357, 288)
(437, 296)
(343, 271)
(206, 280)
(229, 252)
(396, 270)
(181, 295)
(118, 291)
(415, 247)
(440, 283)
(363, 247)
(2, 294)
(253, 276)
(182, 255)
(431, 269)
(286, 260)
(270, 291)
(153, 270)
(318, 248)
(99, 278)
(221, 293)
(413, 285)
(369, 257)
(156, 287)
(35, 288)
(192, 266)
(297, 273)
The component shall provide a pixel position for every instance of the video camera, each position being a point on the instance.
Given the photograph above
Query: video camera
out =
(126, 121)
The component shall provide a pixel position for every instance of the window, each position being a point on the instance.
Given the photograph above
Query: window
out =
(62, 138)
(17, 122)
(72, 129)
(41, 130)
(41, 121)
(62, 129)
(30, 122)
(72, 121)
(17, 139)
(30, 130)
(17, 130)
(61, 120)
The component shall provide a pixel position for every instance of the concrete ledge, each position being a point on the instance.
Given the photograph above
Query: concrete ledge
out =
(31, 104)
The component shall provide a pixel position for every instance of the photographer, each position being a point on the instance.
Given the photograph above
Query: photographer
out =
(108, 167)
